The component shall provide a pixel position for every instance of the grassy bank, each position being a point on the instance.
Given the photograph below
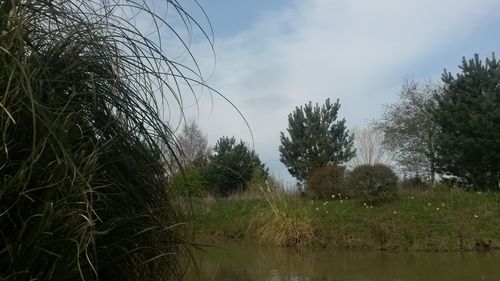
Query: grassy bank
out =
(446, 220)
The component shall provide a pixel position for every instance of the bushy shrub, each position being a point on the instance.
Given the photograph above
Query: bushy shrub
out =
(373, 183)
(326, 181)
(190, 182)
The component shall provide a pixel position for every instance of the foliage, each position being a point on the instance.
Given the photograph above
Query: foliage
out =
(231, 166)
(316, 139)
(189, 182)
(410, 130)
(468, 115)
(82, 190)
(259, 177)
(327, 181)
(373, 183)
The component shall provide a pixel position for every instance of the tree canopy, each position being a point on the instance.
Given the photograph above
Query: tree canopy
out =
(231, 165)
(409, 128)
(315, 139)
(468, 115)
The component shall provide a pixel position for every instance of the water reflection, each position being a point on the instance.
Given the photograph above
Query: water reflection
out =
(251, 263)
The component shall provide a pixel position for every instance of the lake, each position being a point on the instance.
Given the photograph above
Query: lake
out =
(245, 262)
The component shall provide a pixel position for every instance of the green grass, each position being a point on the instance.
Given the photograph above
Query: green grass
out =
(437, 221)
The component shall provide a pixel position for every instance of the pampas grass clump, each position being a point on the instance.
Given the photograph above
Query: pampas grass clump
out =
(82, 180)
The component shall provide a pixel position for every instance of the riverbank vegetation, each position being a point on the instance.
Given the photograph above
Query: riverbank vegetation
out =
(94, 185)
(439, 219)
(82, 173)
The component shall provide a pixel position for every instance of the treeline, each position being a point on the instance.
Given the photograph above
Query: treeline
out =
(228, 167)
(450, 129)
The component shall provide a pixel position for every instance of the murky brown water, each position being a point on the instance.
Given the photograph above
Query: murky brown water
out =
(237, 262)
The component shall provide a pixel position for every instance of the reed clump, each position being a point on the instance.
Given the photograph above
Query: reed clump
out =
(280, 225)
(82, 181)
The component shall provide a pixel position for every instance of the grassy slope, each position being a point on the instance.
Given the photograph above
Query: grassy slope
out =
(416, 221)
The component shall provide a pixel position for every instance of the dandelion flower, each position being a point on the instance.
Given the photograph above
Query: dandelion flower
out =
(341, 201)
(428, 204)
(338, 194)
(324, 204)
(476, 216)
(437, 208)
(394, 212)
(317, 209)
(442, 204)
(327, 212)
(333, 196)
(411, 197)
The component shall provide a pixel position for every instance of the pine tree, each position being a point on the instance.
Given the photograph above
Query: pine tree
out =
(468, 115)
(231, 165)
(316, 139)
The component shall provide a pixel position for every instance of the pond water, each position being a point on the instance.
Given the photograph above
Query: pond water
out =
(244, 262)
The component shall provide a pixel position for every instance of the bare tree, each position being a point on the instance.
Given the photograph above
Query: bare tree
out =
(189, 149)
(370, 148)
(194, 145)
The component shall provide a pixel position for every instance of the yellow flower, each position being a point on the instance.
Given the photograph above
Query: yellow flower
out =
(442, 204)
(394, 212)
(437, 209)
(333, 196)
(324, 204)
(341, 201)
(428, 204)
(317, 209)
(327, 212)
(476, 216)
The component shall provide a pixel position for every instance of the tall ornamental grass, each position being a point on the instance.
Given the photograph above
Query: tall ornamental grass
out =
(82, 179)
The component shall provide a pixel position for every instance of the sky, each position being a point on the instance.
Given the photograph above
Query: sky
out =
(272, 56)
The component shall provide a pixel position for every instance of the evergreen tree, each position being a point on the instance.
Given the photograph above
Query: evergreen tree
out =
(316, 139)
(468, 115)
(231, 165)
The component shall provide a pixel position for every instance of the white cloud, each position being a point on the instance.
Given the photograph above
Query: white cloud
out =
(358, 51)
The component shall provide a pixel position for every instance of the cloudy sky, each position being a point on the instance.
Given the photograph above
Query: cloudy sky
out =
(271, 56)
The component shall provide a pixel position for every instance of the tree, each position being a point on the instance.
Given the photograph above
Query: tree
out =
(193, 145)
(468, 115)
(189, 151)
(410, 130)
(316, 139)
(231, 165)
(370, 148)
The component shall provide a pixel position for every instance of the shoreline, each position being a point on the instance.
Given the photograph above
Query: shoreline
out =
(416, 221)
